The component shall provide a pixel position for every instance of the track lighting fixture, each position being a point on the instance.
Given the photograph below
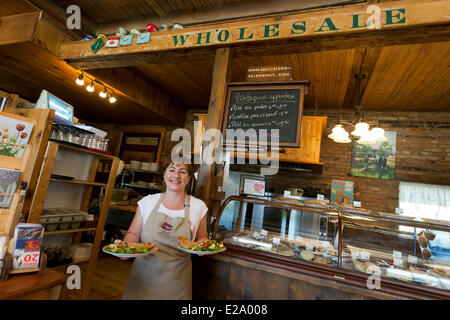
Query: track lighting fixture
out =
(90, 88)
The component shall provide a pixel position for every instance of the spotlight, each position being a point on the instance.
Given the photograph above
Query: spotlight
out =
(90, 87)
(103, 93)
(80, 80)
(112, 99)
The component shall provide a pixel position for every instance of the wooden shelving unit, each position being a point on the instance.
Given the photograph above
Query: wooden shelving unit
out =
(87, 183)
(70, 231)
(9, 217)
(52, 153)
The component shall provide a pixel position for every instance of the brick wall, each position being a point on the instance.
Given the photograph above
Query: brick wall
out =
(423, 156)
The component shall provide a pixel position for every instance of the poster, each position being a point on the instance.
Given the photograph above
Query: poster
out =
(375, 160)
(14, 136)
(342, 192)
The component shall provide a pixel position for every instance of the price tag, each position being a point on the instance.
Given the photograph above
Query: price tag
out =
(256, 235)
(357, 204)
(287, 193)
(355, 255)
(264, 232)
(276, 240)
(397, 254)
(309, 247)
(320, 197)
(412, 259)
(398, 262)
(398, 210)
(365, 255)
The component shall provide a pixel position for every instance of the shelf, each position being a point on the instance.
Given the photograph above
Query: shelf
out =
(145, 171)
(140, 186)
(69, 231)
(88, 183)
(74, 147)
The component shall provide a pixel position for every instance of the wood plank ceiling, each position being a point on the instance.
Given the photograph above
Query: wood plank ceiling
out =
(404, 78)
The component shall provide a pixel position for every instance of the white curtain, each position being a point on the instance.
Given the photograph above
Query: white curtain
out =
(426, 201)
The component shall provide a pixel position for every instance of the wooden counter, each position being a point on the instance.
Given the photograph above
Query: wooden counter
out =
(30, 286)
(247, 274)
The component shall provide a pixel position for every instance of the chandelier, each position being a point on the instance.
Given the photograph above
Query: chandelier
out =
(358, 128)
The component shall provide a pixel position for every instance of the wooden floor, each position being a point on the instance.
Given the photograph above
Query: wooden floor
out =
(110, 279)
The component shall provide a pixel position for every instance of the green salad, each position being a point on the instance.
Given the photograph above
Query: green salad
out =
(128, 248)
(209, 245)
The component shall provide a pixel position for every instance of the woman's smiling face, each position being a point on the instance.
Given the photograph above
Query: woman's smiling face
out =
(176, 177)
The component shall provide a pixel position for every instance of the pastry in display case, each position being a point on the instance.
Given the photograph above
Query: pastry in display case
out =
(411, 255)
(289, 229)
(397, 248)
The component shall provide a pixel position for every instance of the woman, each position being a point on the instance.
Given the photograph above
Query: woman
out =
(160, 219)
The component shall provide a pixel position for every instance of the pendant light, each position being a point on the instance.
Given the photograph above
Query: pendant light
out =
(378, 134)
(361, 129)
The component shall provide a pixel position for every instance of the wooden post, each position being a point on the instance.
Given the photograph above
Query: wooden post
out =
(40, 192)
(99, 233)
(221, 74)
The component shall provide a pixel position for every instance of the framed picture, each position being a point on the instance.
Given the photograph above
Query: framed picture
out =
(14, 136)
(9, 180)
(375, 160)
(252, 185)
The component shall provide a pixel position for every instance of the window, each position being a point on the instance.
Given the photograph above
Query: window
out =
(426, 201)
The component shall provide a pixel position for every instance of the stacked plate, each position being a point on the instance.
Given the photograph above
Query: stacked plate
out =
(135, 165)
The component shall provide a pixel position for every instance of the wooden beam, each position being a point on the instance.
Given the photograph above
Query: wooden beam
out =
(363, 64)
(221, 75)
(88, 25)
(345, 22)
(18, 28)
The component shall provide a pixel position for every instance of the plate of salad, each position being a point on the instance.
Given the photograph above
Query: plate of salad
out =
(122, 249)
(205, 247)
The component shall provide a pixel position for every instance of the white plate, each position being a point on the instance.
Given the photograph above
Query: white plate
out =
(202, 253)
(125, 255)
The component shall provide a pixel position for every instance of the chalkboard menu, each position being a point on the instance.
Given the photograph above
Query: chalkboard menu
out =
(266, 106)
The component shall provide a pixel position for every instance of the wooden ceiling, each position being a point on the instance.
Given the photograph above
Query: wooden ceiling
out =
(401, 78)
(106, 11)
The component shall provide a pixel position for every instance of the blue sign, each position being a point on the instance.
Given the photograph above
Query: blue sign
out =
(143, 38)
(126, 40)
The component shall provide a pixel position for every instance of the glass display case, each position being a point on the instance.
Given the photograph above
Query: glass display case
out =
(347, 243)
(281, 226)
(397, 247)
